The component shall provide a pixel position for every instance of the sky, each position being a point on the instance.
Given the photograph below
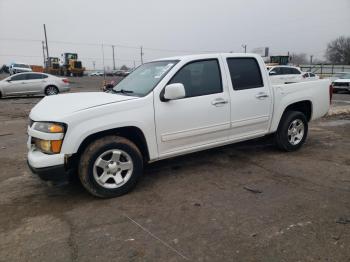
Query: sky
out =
(166, 28)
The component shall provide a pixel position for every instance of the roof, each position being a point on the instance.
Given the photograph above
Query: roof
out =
(208, 55)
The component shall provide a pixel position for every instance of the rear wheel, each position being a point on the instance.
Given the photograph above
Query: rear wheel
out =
(110, 166)
(51, 90)
(292, 131)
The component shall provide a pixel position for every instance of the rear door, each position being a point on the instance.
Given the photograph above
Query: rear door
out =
(202, 117)
(251, 98)
(35, 82)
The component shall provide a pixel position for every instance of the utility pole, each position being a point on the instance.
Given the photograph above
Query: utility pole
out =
(311, 57)
(93, 64)
(47, 47)
(113, 57)
(42, 42)
(103, 62)
(245, 48)
(141, 53)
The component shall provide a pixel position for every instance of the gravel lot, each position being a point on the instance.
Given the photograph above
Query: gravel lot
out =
(244, 202)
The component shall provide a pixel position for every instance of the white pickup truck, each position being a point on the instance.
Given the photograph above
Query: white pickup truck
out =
(166, 108)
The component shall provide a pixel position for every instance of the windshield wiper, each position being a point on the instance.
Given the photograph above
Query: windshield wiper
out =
(123, 91)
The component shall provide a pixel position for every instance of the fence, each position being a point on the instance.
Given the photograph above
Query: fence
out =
(325, 70)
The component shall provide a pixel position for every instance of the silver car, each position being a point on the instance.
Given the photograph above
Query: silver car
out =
(33, 84)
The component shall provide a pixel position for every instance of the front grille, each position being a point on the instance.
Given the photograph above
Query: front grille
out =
(341, 84)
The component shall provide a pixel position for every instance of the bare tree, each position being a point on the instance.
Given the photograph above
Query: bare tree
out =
(338, 51)
(299, 59)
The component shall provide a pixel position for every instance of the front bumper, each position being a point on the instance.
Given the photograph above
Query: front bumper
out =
(47, 167)
(51, 173)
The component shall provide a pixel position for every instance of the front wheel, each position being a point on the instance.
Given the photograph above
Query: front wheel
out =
(292, 131)
(110, 166)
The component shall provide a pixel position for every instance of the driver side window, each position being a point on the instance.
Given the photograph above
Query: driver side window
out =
(18, 77)
(200, 78)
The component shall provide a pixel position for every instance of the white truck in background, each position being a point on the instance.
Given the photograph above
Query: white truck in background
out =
(166, 108)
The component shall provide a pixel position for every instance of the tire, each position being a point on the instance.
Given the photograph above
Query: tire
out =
(110, 166)
(292, 131)
(51, 90)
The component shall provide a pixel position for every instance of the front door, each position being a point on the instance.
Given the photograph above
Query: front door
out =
(200, 119)
(16, 85)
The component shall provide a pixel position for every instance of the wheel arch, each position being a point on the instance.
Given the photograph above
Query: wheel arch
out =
(304, 106)
(132, 133)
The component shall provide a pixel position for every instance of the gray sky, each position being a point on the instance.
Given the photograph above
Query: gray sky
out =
(190, 26)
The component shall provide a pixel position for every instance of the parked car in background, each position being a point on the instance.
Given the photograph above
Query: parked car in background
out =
(338, 75)
(19, 68)
(285, 74)
(96, 73)
(166, 108)
(308, 76)
(342, 83)
(121, 73)
(33, 84)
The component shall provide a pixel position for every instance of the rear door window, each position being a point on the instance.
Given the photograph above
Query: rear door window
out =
(245, 73)
(32, 76)
(294, 71)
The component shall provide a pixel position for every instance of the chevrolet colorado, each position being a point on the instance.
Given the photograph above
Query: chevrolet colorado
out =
(165, 108)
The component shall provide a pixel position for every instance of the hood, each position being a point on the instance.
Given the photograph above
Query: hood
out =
(339, 80)
(53, 108)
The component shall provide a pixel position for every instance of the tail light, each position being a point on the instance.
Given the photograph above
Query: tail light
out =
(330, 93)
(65, 80)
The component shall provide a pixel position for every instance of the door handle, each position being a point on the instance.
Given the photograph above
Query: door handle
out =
(261, 95)
(219, 102)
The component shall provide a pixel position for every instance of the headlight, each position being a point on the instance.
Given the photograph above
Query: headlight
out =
(48, 146)
(49, 127)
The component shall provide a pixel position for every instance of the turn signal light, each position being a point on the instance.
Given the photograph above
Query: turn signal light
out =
(49, 146)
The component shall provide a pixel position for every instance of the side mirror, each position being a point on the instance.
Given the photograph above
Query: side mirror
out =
(174, 91)
(272, 73)
(8, 80)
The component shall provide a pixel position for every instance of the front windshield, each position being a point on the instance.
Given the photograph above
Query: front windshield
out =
(144, 78)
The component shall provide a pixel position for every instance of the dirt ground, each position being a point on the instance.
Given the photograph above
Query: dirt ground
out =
(244, 202)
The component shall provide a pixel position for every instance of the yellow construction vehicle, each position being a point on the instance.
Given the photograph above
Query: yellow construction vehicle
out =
(70, 65)
(52, 66)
